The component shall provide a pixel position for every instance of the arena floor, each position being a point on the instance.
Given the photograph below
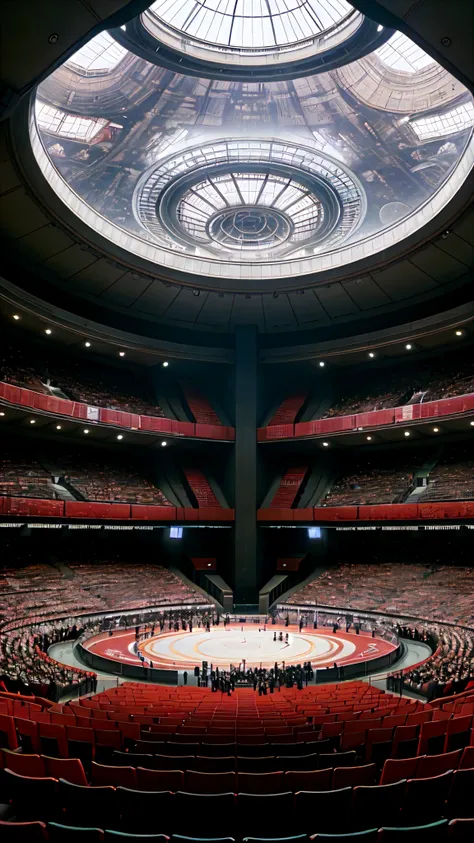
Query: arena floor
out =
(234, 644)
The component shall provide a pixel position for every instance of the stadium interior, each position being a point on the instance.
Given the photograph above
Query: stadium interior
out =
(237, 421)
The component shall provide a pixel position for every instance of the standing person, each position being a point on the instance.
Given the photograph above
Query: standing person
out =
(185, 677)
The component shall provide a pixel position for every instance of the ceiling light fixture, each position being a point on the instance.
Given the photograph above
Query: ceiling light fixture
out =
(369, 438)
(371, 354)
(2, 413)
(87, 344)
(459, 333)
(58, 427)
(48, 331)
(407, 432)
(119, 437)
(325, 444)
(121, 353)
(86, 430)
(436, 430)
(164, 444)
(165, 363)
(16, 317)
(32, 421)
(472, 424)
(408, 346)
(322, 363)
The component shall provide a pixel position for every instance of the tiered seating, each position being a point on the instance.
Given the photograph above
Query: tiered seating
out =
(200, 488)
(389, 482)
(288, 409)
(452, 478)
(99, 481)
(430, 381)
(23, 476)
(200, 407)
(435, 592)
(80, 380)
(329, 760)
(289, 487)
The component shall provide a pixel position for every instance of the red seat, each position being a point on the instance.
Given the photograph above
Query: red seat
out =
(259, 782)
(103, 775)
(395, 769)
(460, 795)
(210, 782)
(354, 776)
(467, 758)
(424, 799)
(8, 736)
(295, 780)
(159, 780)
(53, 739)
(69, 769)
(24, 765)
(27, 732)
(461, 830)
(434, 765)
(13, 832)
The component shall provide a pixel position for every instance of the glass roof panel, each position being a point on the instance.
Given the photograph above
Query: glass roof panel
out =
(401, 54)
(100, 55)
(250, 24)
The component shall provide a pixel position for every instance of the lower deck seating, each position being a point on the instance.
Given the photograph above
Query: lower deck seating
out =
(302, 779)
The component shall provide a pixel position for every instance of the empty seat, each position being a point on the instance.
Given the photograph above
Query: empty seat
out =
(203, 764)
(159, 780)
(114, 776)
(146, 812)
(89, 806)
(461, 830)
(265, 815)
(395, 769)
(69, 769)
(32, 798)
(58, 833)
(323, 811)
(353, 776)
(382, 804)
(460, 795)
(296, 780)
(434, 765)
(424, 799)
(25, 765)
(431, 833)
(209, 782)
(123, 837)
(259, 782)
(265, 764)
(22, 832)
(217, 811)
(337, 759)
(368, 836)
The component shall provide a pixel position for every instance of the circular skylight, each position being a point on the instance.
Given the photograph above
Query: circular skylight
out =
(100, 55)
(248, 29)
(399, 53)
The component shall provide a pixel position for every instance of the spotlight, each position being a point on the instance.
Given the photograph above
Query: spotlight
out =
(371, 355)
(165, 364)
(408, 346)
(86, 430)
(325, 444)
(407, 432)
(2, 414)
(322, 363)
(87, 344)
(436, 430)
(472, 424)
(379, 28)
(459, 333)
(121, 353)
(48, 331)
(32, 421)
(120, 437)
(360, 428)
(369, 439)
(164, 444)
(58, 427)
(16, 317)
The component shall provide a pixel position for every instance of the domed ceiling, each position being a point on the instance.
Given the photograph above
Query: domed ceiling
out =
(299, 143)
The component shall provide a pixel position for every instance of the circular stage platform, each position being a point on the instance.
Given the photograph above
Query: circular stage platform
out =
(237, 643)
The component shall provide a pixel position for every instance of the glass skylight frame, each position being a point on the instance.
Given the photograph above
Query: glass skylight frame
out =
(402, 55)
(100, 56)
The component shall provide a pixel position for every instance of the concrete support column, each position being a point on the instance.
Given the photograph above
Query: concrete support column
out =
(245, 575)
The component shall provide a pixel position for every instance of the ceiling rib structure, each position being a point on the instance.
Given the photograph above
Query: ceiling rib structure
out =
(202, 199)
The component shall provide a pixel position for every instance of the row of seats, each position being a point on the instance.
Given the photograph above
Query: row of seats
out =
(460, 830)
(406, 802)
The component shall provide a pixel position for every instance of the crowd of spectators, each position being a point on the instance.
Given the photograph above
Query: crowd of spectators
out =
(97, 480)
(450, 670)
(78, 380)
(452, 478)
(35, 599)
(429, 380)
(23, 476)
(435, 592)
(367, 484)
